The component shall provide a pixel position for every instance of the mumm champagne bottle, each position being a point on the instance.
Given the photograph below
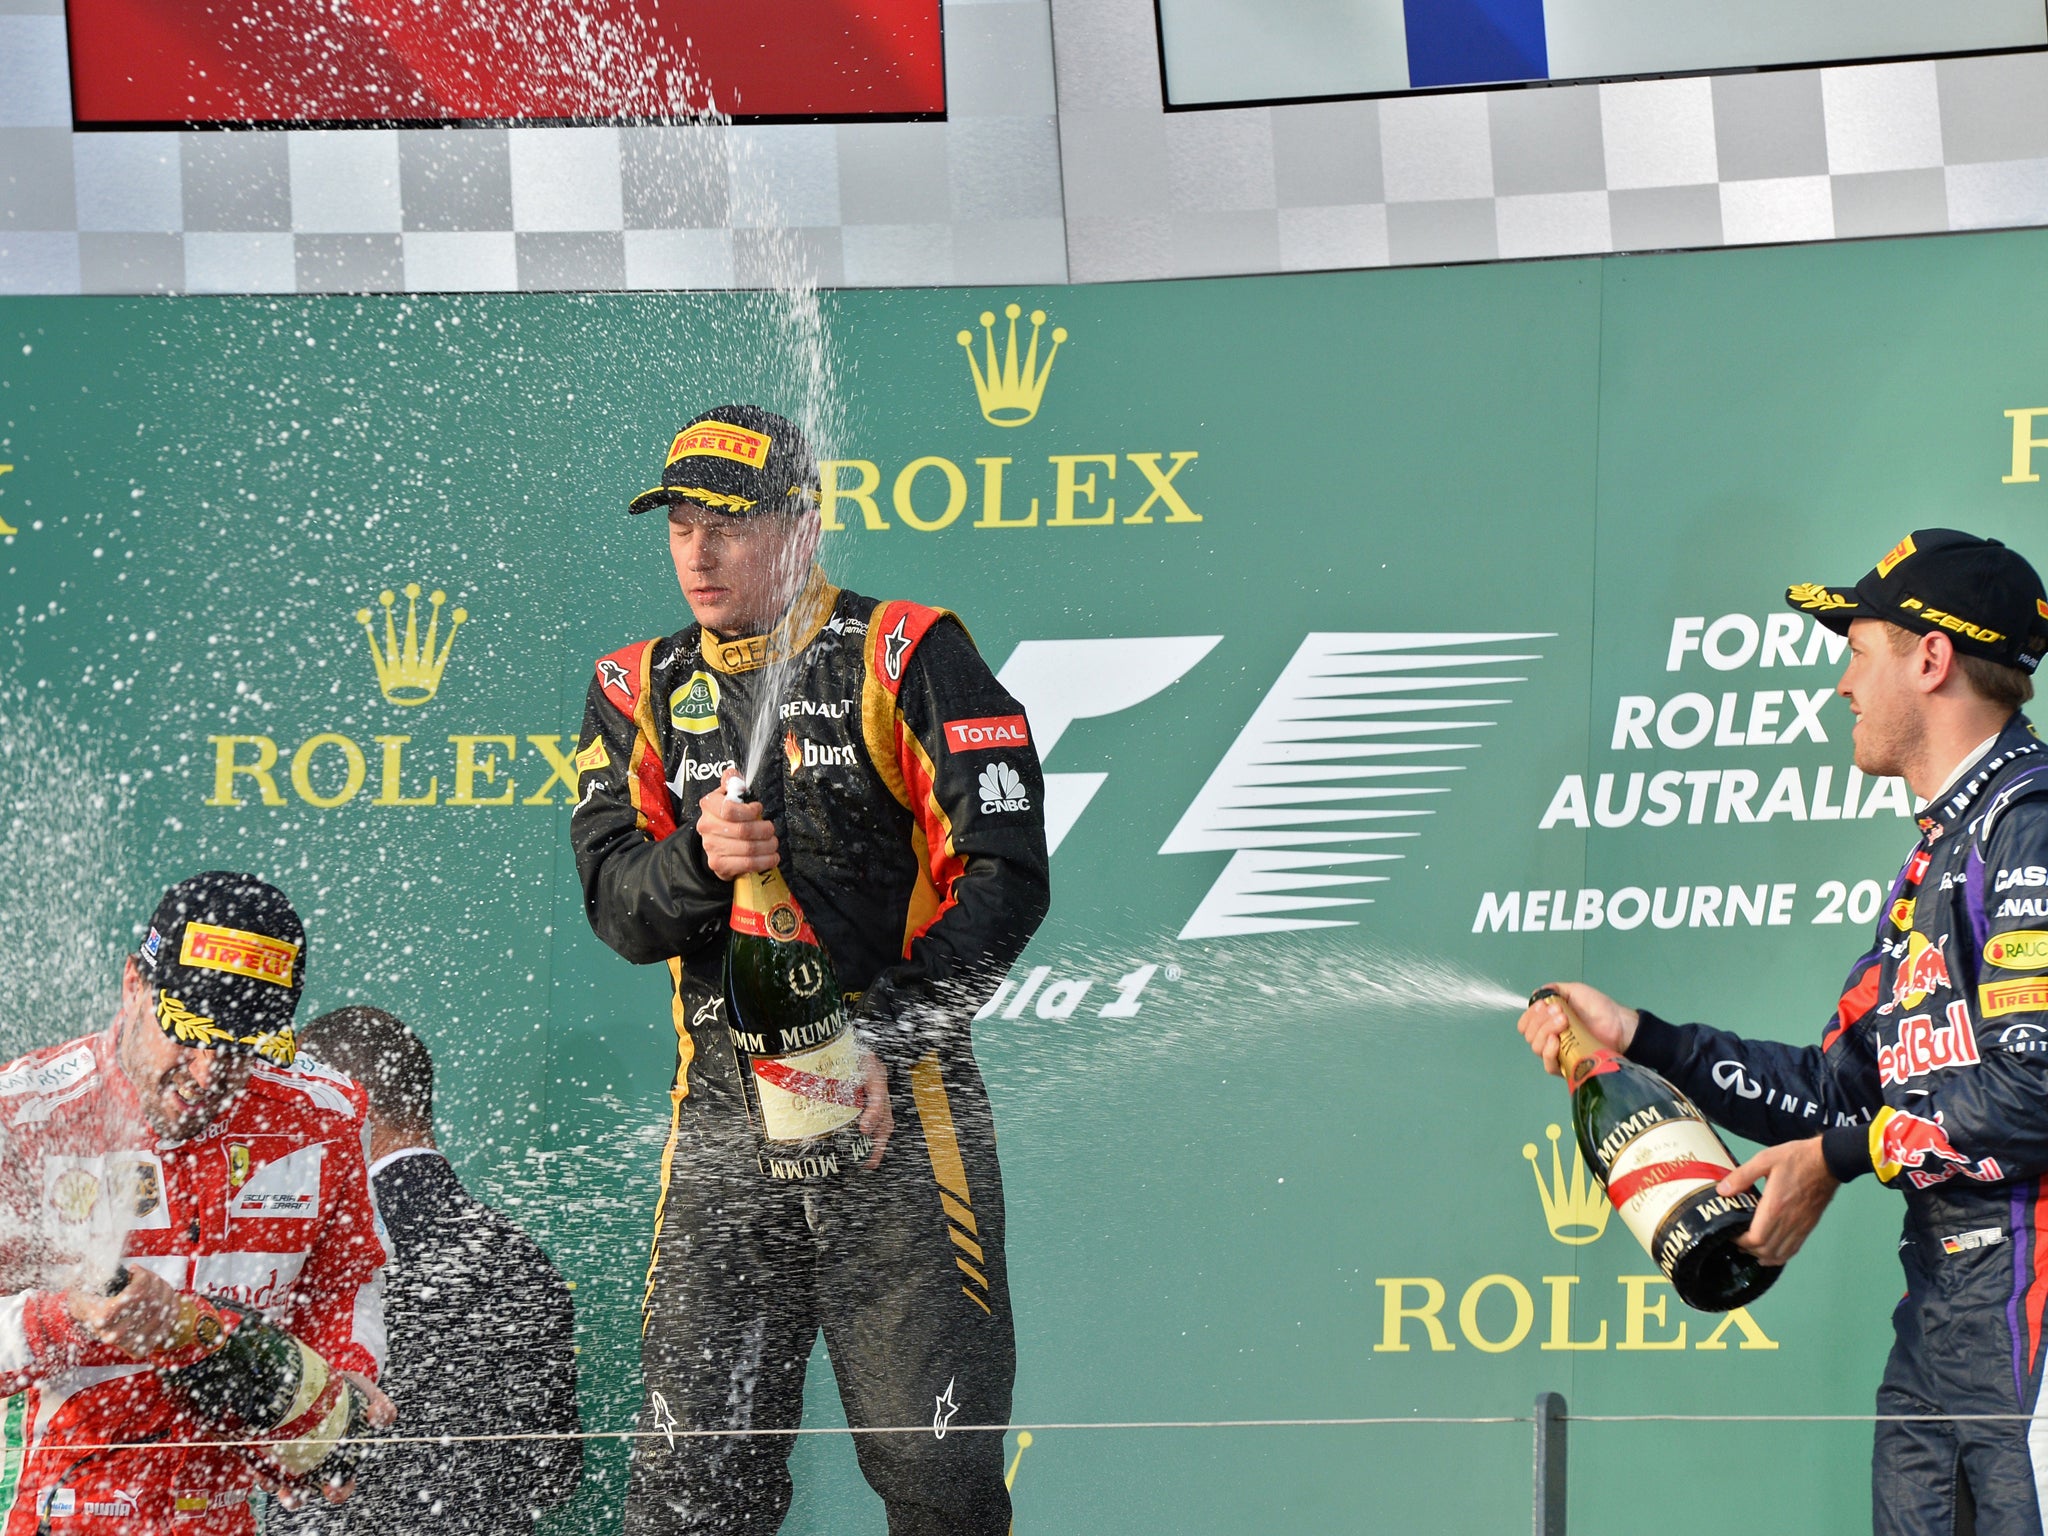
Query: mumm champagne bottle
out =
(799, 1062)
(1659, 1161)
(253, 1379)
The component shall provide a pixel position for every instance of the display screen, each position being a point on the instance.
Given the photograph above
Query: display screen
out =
(1220, 52)
(170, 62)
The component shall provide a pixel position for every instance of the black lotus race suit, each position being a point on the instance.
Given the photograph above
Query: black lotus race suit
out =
(909, 805)
(1933, 1073)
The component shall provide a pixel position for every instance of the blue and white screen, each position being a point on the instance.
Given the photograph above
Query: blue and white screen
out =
(1220, 51)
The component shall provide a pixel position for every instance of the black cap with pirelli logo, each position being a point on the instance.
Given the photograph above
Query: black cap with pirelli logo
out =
(225, 960)
(1985, 597)
(738, 460)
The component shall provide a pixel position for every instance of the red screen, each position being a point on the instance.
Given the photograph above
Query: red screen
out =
(139, 62)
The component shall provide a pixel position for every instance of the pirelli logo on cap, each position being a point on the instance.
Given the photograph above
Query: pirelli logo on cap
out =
(1899, 551)
(721, 440)
(255, 955)
(1997, 998)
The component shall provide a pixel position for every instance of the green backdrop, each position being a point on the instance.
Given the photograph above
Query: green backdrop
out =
(1445, 526)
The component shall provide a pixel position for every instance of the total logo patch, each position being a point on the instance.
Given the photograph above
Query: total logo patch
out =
(2024, 949)
(1902, 912)
(694, 706)
(990, 732)
(1001, 789)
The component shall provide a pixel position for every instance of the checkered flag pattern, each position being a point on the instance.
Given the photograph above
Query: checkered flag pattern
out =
(1057, 162)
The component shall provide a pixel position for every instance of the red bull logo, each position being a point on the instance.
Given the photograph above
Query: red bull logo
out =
(1922, 973)
(1924, 1046)
(1921, 1150)
(1910, 1142)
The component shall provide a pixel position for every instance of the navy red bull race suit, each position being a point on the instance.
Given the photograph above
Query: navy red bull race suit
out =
(1933, 1074)
(909, 806)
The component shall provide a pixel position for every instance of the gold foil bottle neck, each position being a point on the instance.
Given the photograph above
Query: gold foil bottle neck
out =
(1575, 1048)
(761, 891)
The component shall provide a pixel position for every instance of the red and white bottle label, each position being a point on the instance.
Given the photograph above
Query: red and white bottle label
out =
(1660, 1168)
(812, 1093)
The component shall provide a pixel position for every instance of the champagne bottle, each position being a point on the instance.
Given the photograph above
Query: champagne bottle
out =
(251, 1378)
(1659, 1161)
(799, 1062)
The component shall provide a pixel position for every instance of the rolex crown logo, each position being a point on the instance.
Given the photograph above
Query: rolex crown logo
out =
(1010, 391)
(1576, 1211)
(410, 672)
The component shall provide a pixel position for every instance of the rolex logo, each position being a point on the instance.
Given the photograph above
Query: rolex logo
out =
(1010, 391)
(1575, 1211)
(410, 672)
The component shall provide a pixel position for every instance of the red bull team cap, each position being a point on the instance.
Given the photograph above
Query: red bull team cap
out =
(1985, 597)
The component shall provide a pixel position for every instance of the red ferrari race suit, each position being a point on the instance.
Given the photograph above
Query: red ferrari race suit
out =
(268, 1207)
(908, 801)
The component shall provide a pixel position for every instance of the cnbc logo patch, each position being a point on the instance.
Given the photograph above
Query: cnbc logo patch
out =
(694, 706)
(1001, 790)
(2024, 950)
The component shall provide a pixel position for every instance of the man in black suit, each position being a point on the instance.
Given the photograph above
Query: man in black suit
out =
(481, 1324)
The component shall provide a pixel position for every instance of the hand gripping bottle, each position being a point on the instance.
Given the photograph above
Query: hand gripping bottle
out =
(1659, 1161)
(255, 1381)
(799, 1062)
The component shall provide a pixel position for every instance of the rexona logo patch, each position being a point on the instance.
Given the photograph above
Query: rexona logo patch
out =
(694, 706)
(986, 734)
(1001, 789)
(1899, 551)
(2024, 949)
(720, 440)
